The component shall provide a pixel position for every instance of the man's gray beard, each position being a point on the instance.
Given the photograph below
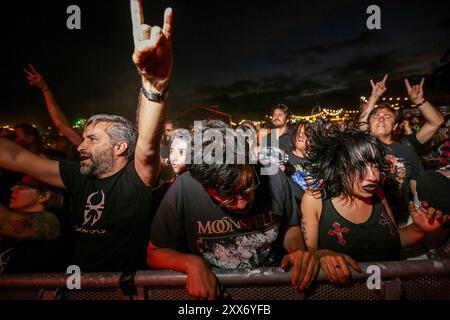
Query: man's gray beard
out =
(103, 163)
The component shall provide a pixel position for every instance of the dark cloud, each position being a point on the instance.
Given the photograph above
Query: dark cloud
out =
(246, 99)
(310, 54)
(366, 38)
(279, 82)
(364, 67)
(308, 86)
(236, 88)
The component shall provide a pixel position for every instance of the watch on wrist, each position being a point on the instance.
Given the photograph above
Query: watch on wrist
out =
(154, 95)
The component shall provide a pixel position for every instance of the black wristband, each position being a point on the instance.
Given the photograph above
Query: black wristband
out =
(421, 103)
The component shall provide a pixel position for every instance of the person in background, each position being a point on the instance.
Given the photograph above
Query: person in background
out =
(405, 164)
(30, 230)
(179, 148)
(295, 168)
(58, 117)
(281, 119)
(169, 127)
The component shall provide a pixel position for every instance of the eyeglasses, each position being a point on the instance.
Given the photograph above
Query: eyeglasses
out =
(243, 193)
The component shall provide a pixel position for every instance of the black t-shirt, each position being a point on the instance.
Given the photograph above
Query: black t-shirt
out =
(419, 148)
(111, 218)
(405, 165)
(413, 140)
(434, 187)
(189, 220)
(284, 141)
(296, 160)
(31, 256)
(377, 239)
(295, 170)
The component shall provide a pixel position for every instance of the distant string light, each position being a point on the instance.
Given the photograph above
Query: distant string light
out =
(339, 113)
(390, 98)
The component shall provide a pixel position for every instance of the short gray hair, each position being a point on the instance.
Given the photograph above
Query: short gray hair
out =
(118, 129)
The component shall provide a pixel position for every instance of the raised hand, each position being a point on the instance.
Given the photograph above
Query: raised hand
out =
(406, 127)
(35, 78)
(427, 218)
(378, 88)
(152, 47)
(415, 92)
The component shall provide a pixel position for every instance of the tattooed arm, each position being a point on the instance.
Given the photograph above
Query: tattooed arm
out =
(28, 226)
(310, 209)
(333, 264)
(304, 265)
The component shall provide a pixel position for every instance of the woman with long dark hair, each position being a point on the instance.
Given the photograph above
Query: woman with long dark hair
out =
(347, 218)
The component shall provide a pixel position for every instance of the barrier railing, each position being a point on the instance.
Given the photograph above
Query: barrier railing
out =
(421, 279)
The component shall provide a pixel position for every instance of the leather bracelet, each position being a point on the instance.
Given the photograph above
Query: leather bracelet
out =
(45, 90)
(421, 103)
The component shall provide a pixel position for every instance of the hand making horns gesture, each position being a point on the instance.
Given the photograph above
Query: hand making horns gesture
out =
(415, 92)
(152, 47)
(378, 88)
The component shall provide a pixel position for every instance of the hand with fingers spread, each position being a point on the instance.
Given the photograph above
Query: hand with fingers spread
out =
(152, 55)
(335, 266)
(427, 218)
(305, 268)
(35, 78)
(415, 93)
(379, 88)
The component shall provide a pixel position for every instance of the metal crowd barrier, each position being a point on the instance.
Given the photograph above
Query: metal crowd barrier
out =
(410, 280)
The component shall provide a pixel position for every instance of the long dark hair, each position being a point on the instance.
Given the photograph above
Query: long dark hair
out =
(297, 127)
(338, 158)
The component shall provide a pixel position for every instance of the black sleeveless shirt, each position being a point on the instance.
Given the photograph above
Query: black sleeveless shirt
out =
(377, 239)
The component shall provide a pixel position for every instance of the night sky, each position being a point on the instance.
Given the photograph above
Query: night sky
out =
(243, 55)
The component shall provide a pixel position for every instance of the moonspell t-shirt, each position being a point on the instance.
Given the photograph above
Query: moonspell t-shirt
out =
(190, 221)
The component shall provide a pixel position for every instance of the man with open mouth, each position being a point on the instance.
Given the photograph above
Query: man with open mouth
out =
(112, 186)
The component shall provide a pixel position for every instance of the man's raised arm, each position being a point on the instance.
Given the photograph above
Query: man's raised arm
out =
(153, 58)
(14, 157)
(57, 115)
(433, 118)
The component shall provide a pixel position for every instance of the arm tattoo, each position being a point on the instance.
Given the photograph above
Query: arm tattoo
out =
(303, 223)
(30, 226)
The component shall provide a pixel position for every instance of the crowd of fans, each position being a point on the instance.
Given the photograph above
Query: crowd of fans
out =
(147, 196)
